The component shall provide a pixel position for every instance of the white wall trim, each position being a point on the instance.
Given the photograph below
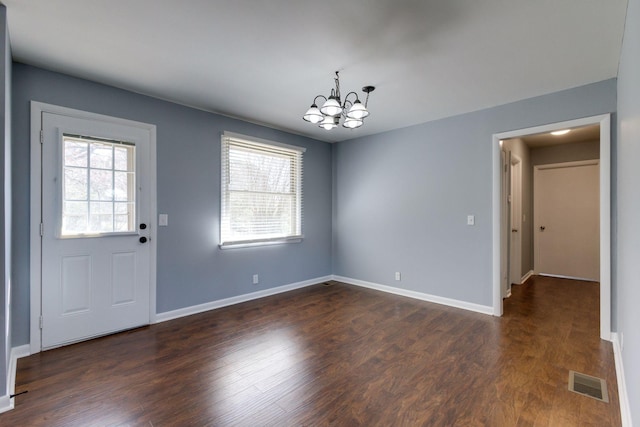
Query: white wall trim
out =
(604, 121)
(625, 410)
(567, 164)
(6, 403)
(200, 308)
(526, 277)
(35, 260)
(560, 276)
(484, 309)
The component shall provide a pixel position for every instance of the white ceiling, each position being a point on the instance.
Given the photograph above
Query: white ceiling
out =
(264, 61)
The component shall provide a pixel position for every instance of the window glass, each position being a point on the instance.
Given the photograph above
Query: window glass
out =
(98, 186)
(261, 191)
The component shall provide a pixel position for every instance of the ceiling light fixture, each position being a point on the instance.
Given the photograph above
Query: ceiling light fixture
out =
(560, 132)
(328, 116)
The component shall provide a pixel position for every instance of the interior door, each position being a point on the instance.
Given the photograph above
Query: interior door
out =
(567, 221)
(505, 284)
(515, 247)
(95, 255)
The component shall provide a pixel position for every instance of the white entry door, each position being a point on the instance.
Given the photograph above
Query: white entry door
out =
(567, 220)
(95, 228)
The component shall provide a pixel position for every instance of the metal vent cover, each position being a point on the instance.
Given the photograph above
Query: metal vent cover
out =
(589, 386)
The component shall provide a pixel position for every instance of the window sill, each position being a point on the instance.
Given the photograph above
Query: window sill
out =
(253, 244)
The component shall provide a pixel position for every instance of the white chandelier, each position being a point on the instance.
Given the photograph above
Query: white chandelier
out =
(328, 116)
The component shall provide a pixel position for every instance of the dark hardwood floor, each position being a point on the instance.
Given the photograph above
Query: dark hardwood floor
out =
(335, 355)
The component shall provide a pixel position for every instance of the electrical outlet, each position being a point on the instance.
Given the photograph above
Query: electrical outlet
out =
(255, 279)
(398, 276)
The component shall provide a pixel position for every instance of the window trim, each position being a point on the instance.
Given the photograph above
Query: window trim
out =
(233, 244)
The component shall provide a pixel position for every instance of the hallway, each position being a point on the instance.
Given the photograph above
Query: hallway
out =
(553, 327)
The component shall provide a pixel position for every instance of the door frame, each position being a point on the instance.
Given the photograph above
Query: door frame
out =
(35, 256)
(604, 121)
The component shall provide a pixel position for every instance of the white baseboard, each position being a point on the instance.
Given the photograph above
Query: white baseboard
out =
(187, 311)
(418, 295)
(625, 410)
(526, 277)
(559, 276)
(6, 403)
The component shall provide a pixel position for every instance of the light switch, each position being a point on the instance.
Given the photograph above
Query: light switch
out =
(163, 220)
(471, 220)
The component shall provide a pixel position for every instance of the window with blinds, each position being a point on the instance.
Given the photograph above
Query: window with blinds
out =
(261, 197)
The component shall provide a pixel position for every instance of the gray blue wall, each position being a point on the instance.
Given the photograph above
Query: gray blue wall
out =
(5, 189)
(628, 177)
(402, 198)
(191, 268)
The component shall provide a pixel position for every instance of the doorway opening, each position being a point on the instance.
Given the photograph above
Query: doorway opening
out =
(516, 144)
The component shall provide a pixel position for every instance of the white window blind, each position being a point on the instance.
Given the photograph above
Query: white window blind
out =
(261, 197)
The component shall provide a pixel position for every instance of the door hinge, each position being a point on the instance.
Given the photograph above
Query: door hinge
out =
(41, 229)
(41, 322)
(41, 136)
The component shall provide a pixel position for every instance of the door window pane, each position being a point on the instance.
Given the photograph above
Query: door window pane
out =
(101, 156)
(76, 182)
(101, 187)
(76, 153)
(98, 187)
(75, 219)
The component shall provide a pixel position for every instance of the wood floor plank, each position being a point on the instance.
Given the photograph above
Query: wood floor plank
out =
(335, 355)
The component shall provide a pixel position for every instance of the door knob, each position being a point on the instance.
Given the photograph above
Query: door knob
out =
(143, 239)
(542, 227)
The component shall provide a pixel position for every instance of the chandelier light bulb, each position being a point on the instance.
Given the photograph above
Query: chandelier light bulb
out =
(329, 123)
(352, 123)
(331, 107)
(313, 114)
(357, 111)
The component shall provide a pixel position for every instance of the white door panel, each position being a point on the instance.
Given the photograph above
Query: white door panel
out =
(505, 283)
(567, 222)
(95, 269)
(75, 286)
(123, 283)
(515, 251)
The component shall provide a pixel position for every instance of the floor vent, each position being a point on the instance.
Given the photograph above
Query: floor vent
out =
(588, 386)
